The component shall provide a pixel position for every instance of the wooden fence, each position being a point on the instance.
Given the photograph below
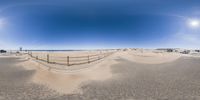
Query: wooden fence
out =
(69, 60)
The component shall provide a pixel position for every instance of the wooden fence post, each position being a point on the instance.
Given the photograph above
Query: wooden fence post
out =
(31, 54)
(47, 58)
(37, 57)
(67, 60)
(88, 59)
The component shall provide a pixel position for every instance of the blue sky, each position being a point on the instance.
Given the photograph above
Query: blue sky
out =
(92, 24)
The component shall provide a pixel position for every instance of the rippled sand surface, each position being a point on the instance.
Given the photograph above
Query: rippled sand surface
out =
(130, 80)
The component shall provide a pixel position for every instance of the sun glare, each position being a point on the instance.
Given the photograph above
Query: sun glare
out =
(194, 23)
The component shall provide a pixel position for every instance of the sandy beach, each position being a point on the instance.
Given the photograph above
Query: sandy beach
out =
(124, 75)
(99, 50)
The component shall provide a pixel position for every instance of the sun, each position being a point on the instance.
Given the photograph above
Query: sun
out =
(194, 23)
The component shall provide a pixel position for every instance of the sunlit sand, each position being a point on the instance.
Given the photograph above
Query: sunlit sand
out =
(122, 71)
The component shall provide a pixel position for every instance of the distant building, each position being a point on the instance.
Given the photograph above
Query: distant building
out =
(20, 49)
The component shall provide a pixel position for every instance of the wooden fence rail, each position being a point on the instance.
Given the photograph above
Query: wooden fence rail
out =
(69, 61)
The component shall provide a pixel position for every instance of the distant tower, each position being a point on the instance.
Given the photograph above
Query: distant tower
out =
(20, 49)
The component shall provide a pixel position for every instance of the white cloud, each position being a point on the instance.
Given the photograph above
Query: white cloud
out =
(2, 23)
(187, 37)
(184, 39)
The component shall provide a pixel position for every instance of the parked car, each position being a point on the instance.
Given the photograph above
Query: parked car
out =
(197, 50)
(185, 52)
(2, 51)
